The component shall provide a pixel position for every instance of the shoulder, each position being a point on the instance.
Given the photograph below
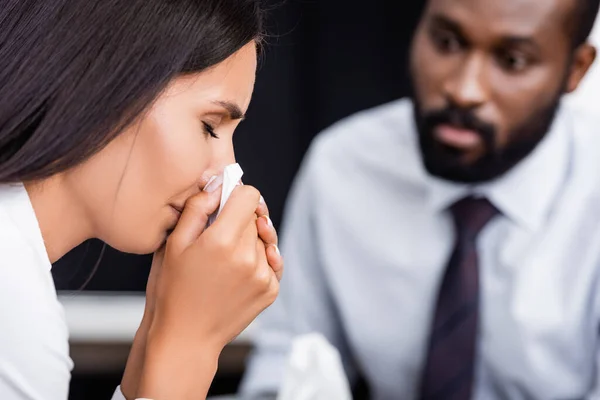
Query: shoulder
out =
(378, 143)
(19, 233)
(35, 352)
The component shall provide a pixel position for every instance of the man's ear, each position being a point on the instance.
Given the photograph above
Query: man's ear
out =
(583, 57)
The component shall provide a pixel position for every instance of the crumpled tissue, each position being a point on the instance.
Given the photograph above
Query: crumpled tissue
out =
(232, 177)
(314, 371)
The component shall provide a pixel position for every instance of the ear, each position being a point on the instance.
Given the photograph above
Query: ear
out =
(583, 57)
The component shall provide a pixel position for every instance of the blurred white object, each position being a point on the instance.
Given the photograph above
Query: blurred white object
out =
(232, 175)
(226, 397)
(102, 326)
(314, 371)
(103, 317)
(109, 317)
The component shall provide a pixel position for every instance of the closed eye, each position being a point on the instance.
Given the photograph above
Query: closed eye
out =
(210, 130)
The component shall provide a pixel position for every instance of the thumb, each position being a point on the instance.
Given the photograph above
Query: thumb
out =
(194, 218)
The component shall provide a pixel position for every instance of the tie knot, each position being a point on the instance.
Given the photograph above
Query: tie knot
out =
(471, 215)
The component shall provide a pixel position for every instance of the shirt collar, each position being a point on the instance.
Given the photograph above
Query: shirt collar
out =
(526, 193)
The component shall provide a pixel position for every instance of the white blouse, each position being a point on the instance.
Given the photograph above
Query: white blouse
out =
(34, 339)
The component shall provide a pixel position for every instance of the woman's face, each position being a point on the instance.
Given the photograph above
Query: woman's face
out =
(133, 190)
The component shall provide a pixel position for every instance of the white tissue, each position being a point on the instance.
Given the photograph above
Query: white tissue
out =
(314, 371)
(232, 175)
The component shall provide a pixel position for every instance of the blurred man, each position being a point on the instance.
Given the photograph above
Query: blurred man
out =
(449, 245)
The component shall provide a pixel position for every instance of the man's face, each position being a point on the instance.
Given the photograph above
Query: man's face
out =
(487, 78)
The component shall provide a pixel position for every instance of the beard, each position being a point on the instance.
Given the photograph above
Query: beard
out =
(448, 163)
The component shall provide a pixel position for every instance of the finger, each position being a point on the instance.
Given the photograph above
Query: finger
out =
(237, 213)
(265, 269)
(262, 208)
(244, 250)
(247, 241)
(194, 218)
(266, 230)
(275, 260)
(273, 276)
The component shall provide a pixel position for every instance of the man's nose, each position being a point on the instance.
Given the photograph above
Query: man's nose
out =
(468, 87)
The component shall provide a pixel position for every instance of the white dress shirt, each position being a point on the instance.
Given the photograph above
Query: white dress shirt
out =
(34, 339)
(366, 239)
(587, 95)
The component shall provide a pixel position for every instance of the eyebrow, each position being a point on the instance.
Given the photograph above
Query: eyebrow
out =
(509, 40)
(234, 111)
(446, 23)
(520, 41)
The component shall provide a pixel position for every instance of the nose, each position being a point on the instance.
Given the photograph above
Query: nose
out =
(467, 88)
(221, 159)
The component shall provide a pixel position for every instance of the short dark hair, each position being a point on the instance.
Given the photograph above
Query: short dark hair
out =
(75, 73)
(583, 21)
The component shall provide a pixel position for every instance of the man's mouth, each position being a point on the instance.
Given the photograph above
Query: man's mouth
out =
(457, 137)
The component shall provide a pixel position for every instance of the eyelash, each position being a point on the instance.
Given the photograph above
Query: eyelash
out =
(210, 130)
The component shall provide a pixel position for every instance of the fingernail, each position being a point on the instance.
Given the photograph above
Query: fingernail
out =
(277, 250)
(211, 180)
(213, 183)
(269, 222)
(262, 200)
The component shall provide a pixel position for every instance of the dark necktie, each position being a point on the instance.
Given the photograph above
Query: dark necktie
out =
(450, 364)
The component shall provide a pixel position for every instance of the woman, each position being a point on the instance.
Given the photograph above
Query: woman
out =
(114, 114)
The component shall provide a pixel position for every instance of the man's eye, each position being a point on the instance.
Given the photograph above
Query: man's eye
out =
(514, 62)
(447, 42)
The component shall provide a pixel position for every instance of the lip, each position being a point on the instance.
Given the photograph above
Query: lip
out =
(214, 179)
(458, 137)
(176, 208)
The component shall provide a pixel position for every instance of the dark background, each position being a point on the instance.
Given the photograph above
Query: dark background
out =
(324, 60)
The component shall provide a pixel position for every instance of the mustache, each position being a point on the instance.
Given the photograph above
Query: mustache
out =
(461, 118)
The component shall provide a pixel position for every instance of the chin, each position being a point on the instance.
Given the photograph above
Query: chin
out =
(138, 244)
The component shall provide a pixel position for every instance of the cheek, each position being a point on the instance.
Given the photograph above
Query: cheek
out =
(429, 70)
(157, 167)
(516, 97)
(170, 158)
(98, 180)
(418, 60)
(165, 165)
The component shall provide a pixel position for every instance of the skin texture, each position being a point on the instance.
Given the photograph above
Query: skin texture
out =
(143, 193)
(125, 194)
(496, 69)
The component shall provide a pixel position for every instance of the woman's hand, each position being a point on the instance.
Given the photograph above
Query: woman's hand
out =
(137, 354)
(210, 286)
(135, 361)
(267, 233)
